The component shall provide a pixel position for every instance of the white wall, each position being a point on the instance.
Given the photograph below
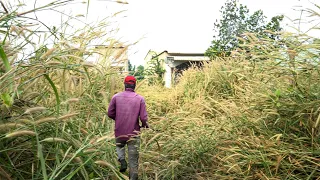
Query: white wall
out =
(167, 76)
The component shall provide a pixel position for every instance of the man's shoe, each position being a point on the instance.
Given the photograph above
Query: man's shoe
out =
(123, 165)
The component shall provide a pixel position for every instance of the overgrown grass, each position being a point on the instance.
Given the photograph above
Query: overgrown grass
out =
(252, 116)
(233, 119)
(53, 102)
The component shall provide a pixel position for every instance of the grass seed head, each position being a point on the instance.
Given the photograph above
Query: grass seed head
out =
(46, 119)
(21, 133)
(105, 164)
(108, 137)
(54, 63)
(87, 64)
(34, 109)
(48, 53)
(7, 126)
(83, 131)
(54, 139)
(71, 100)
(75, 159)
(67, 116)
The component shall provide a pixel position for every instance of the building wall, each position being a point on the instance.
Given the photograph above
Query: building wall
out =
(176, 63)
(167, 76)
(169, 67)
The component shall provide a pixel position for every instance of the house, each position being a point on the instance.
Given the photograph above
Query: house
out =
(174, 62)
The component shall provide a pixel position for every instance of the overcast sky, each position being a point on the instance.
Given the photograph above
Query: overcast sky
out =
(173, 25)
(183, 25)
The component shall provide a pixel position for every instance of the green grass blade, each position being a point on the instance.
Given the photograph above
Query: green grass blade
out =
(4, 58)
(55, 92)
(42, 161)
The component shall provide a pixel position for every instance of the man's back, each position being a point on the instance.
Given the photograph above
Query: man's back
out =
(125, 108)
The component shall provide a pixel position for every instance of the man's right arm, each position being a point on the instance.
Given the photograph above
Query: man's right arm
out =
(112, 109)
(143, 114)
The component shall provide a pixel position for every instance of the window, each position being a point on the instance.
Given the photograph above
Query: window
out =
(169, 59)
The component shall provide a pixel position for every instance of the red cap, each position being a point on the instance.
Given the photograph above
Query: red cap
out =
(130, 80)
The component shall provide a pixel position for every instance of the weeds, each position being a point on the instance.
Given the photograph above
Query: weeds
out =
(49, 97)
(245, 117)
(251, 116)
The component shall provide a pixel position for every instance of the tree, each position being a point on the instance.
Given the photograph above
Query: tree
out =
(235, 21)
(139, 73)
(131, 69)
(155, 69)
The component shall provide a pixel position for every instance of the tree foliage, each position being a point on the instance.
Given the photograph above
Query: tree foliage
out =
(139, 73)
(155, 69)
(131, 68)
(236, 20)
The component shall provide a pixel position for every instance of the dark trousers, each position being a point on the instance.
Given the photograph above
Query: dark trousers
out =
(133, 154)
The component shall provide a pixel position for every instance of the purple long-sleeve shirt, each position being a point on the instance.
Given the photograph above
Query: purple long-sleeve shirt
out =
(125, 108)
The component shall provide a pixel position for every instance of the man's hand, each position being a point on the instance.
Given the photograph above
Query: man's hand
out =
(145, 125)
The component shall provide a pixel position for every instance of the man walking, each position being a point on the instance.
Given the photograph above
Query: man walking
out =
(126, 108)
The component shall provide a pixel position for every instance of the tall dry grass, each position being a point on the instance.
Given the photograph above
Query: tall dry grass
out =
(252, 116)
(233, 119)
(53, 102)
